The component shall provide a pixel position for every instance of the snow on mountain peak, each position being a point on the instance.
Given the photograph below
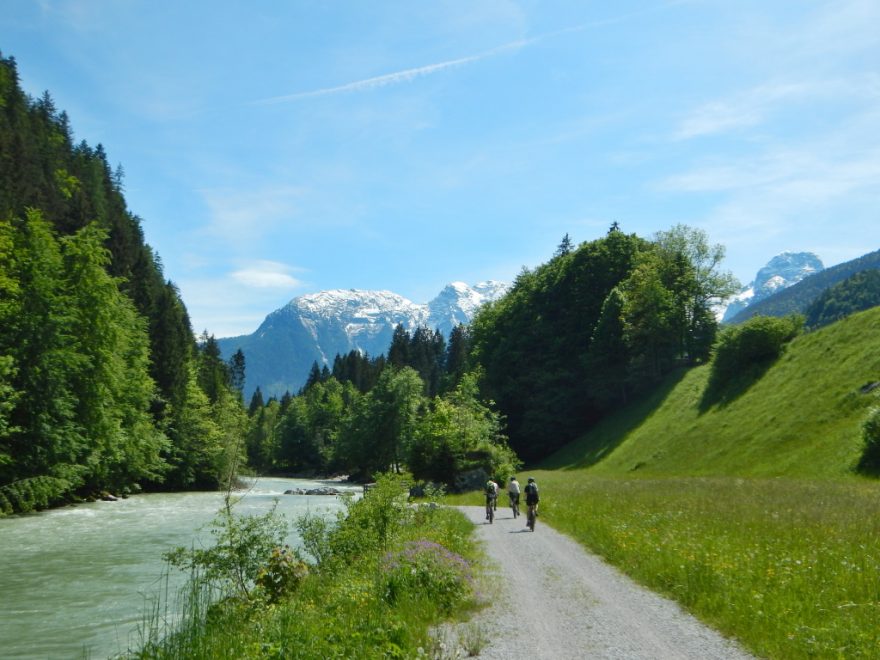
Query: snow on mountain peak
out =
(781, 272)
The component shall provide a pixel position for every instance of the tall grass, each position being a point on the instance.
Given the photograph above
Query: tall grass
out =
(790, 568)
(389, 573)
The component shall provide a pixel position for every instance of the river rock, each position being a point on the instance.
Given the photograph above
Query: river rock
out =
(324, 490)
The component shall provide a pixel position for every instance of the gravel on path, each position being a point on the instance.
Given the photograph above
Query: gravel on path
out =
(556, 600)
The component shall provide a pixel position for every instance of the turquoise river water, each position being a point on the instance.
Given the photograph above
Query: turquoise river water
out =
(76, 582)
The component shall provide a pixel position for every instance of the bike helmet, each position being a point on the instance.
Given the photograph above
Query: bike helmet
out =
(513, 478)
(531, 480)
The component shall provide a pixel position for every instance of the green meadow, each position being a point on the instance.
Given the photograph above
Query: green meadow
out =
(744, 504)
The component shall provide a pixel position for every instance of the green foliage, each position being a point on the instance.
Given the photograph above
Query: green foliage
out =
(307, 432)
(459, 433)
(32, 494)
(582, 333)
(854, 294)
(242, 555)
(373, 523)
(281, 574)
(382, 423)
(390, 573)
(754, 344)
(429, 570)
(96, 348)
(359, 369)
(801, 418)
(207, 442)
(870, 460)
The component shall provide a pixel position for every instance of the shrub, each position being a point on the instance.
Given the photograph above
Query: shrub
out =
(244, 546)
(427, 570)
(370, 524)
(757, 342)
(281, 574)
(32, 494)
(870, 461)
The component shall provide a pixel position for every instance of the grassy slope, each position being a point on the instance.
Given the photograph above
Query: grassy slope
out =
(802, 418)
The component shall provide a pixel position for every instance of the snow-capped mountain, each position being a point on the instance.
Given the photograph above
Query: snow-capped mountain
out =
(318, 326)
(458, 303)
(781, 272)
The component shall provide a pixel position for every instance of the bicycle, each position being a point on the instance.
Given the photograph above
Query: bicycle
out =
(530, 519)
(490, 508)
(514, 503)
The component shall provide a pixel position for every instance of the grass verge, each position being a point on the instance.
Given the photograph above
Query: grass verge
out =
(388, 573)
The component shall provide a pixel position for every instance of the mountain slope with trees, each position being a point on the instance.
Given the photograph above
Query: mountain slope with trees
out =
(799, 413)
(854, 294)
(581, 334)
(102, 384)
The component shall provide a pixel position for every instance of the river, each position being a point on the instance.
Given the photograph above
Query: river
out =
(74, 582)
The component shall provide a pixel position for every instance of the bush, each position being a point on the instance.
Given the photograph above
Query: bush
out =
(757, 342)
(281, 574)
(34, 494)
(244, 548)
(424, 569)
(370, 524)
(870, 461)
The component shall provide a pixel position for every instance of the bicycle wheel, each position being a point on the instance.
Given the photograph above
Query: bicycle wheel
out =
(491, 514)
(531, 519)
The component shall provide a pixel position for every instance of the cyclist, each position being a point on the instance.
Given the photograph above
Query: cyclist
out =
(491, 491)
(513, 494)
(532, 498)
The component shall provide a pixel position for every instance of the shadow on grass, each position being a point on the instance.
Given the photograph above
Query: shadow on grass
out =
(722, 393)
(601, 440)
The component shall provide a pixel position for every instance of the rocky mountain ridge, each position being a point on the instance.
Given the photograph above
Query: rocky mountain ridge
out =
(781, 272)
(318, 326)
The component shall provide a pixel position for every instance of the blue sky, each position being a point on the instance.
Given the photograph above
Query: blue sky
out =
(279, 148)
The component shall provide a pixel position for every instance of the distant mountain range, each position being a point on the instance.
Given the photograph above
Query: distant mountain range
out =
(781, 272)
(318, 326)
(796, 298)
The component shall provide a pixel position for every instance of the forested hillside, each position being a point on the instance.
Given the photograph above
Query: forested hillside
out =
(795, 411)
(854, 294)
(579, 335)
(102, 386)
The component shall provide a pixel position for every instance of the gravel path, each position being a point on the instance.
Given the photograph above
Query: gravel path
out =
(558, 601)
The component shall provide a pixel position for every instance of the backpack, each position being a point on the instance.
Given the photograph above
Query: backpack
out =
(531, 491)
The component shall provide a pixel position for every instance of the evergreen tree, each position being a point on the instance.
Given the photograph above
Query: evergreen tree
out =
(398, 352)
(314, 376)
(236, 369)
(608, 357)
(457, 351)
(256, 402)
(565, 247)
(212, 370)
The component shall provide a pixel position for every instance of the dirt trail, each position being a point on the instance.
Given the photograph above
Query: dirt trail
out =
(558, 601)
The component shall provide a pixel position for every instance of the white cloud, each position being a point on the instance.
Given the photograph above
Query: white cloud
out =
(236, 303)
(266, 275)
(753, 106)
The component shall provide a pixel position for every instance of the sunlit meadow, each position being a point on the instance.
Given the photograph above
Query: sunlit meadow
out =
(790, 568)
